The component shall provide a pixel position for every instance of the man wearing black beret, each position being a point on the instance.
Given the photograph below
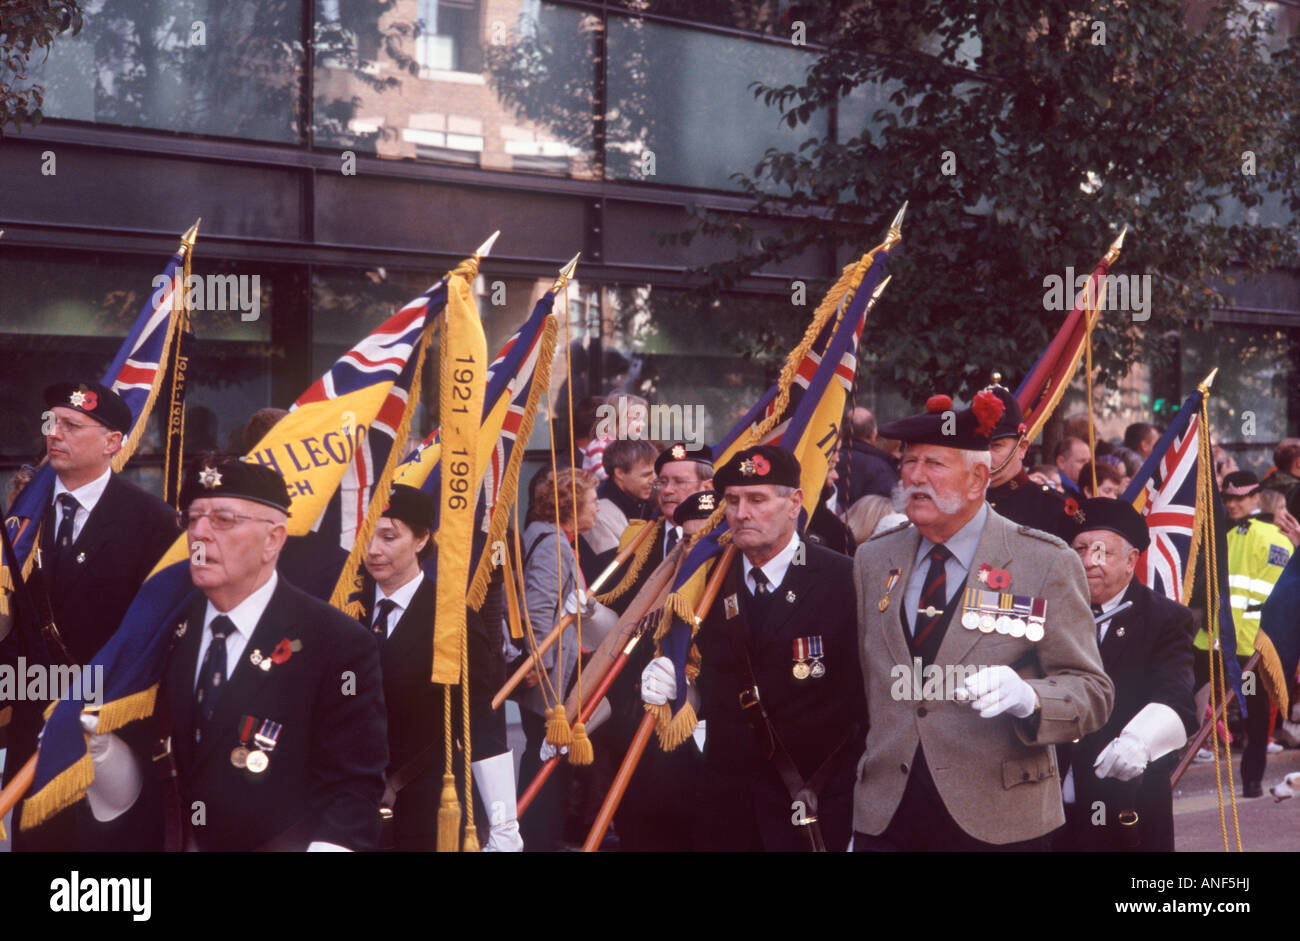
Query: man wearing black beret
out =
(99, 539)
(779, 688)
(1011, 492)
(274, 699)
(1116, 780)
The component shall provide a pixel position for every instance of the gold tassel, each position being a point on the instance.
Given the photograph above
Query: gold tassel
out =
(558, 732)
(679, 729)
(581, 752)
(1273, 674)
(634, 566)
(448, 815)
(470, 844)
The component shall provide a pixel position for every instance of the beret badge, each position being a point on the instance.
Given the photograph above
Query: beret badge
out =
(210, 477)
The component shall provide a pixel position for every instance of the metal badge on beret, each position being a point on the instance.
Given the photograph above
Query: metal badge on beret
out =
(209, 477)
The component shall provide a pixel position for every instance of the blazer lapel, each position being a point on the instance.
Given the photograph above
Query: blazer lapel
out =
(994, 549)
(1116, 640)
(900, 559)
(180, 681)
(800, 582)
(101, 527)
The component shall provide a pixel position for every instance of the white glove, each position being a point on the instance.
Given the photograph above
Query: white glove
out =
(699, 734)
(117, 774)
(1125, 758)
(658, 682)
(576, 597)
(321, 846)
(548, 751)
(1158, 728)
(995, 690)
(495, 778)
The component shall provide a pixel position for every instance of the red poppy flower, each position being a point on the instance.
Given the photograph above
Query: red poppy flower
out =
(89, 401)
(999, 579)
(1071, 506)
(761, 465)
(282, 652)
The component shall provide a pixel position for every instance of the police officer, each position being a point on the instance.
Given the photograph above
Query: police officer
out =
(1116, 780)
(1011, 492)
(1257, 554)
(779, 685)
(401, 613)
(99, 539)
(274, 699)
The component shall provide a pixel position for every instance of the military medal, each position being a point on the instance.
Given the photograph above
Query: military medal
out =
(1037, 618)
(1020, 605)
(1003, 623)
(257, 762)
(801, 670)
(817, 669)
(970, 615)
(894, 575)
(239, 757)
(731, 606)
(264, 741)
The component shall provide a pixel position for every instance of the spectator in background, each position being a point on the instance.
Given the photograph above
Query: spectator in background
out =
(1130, 461)
(864, 468)
(1046, 474)
(871, 515)
(625, 494)
(624, 416)
(1224, 464)
(1141, 437)
(584, 423)
(1284, 476)
(825, 528)
(1099, 479)
(1070, 455)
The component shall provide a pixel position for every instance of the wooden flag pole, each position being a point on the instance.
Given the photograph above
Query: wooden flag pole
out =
(534, 661)
(642, 738)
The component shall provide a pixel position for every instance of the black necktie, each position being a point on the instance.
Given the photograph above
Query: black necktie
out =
(380, 627)
(68, 503)
(762, 587)
(212, 675)
(672, 540)
(934, 593)
(1096, 613)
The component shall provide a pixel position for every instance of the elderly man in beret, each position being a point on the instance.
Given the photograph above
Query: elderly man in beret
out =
(100, 537)
(1116, 780)
(779, 684)
(978, 653)
(274, 700)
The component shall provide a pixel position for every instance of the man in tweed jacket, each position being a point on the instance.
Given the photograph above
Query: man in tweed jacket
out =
(978, 653)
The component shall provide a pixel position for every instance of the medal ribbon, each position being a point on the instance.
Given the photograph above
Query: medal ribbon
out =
(245, 727)
(267, 735)
(801, 648)
(815, 647)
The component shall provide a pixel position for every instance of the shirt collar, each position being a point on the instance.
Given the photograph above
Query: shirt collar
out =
(87, 495)
(963, 543)
(402, 597)
(248, 612)
(776, 567)
(1113, 603)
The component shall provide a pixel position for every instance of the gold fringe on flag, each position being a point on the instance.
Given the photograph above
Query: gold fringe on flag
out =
(512, 599)
(679, 729)
(66, 788)
(1274, 675)
(509, 489)
(636, 563)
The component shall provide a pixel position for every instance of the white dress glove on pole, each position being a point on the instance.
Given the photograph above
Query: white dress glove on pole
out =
(117, 774)
(1153, 733)
(659, 682)
(548, 751)
(995, 690)
(495, 779)
(597, 620)
(579, 597)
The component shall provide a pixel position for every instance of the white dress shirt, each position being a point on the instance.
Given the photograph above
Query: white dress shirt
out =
(87, 495)
(244, 616)
(1106, 608)
(400, 598)
(776, 567)
(961, 545)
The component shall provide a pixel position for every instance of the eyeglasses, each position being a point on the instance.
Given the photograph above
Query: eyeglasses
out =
(220, 520)
(69, 427)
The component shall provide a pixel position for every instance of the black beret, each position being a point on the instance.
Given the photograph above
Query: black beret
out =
(1012, 422)
(765, 464)
(1242, 483)
(684, 452)
(93, 399)
(1117, 516)
(698, 506)
(968, 429)
(410, 505)
(223, 475)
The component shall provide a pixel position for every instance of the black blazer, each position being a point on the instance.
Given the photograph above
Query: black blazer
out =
(415, 713)
(1147, 653)
(813, 717)
(119, 544)
(327, 769)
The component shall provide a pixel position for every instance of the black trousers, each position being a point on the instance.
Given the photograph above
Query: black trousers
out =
(542, 826)
(1254, 756)
(922, 824)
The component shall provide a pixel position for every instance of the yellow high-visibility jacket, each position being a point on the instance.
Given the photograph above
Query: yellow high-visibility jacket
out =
(1257, 553)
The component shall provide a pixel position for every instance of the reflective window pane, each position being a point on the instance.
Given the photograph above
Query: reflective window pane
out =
(199, 66)
(500, 86)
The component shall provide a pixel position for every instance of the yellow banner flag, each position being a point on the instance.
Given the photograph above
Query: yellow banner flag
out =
(462, 376)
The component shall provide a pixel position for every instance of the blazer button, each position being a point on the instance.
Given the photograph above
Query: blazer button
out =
(920, 711)
(903, 768)
(1024, 775)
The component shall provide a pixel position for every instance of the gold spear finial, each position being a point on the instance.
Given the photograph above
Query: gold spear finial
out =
(191, 234)
(1208, 380)
(1113, 252)
(486, 248)
(895, 229)
(566, 274)
(996, 378)
(880, 289)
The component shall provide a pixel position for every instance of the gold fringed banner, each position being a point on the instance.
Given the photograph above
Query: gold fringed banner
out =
(1274, 675)
(638, 560)
(461, 380)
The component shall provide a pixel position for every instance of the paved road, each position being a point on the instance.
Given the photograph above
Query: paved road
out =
(1265, 824)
